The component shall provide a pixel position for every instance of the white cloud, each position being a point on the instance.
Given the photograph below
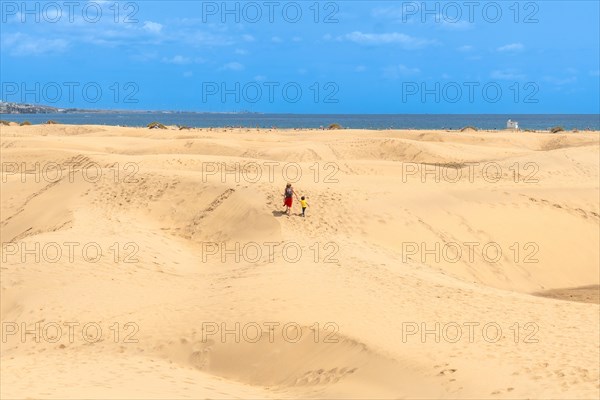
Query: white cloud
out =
(512, 47)
(76, 28)
(397, 71)
(248, 38)
(201, 38)
(390, 12)
(260, 78)
(386, 38)
(145, 56)
(508, 75)
(381, 12)
(422, 14)
(595, 73)
(451, 25)
(233, 66)
(276, 39)
(296, 39)
(465, 48)
(360, 68)
(24, 45)
(188, 74)
(560, 81)
(180, 60)
(152, 27)
(241, 52)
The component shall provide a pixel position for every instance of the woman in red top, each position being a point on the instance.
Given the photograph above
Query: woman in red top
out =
(288, 196)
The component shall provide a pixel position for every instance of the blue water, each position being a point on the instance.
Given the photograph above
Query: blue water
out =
(370, 121)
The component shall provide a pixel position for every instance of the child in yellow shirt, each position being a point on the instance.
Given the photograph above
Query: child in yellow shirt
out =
(304, 205)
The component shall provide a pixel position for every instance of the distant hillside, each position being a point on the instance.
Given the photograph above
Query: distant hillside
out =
(23, 108)
(18, 108)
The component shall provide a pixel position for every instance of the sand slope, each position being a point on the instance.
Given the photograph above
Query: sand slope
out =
(412, 276)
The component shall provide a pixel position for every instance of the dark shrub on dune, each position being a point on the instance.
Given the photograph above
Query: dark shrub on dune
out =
(156, 125)
(469, 128)
(3, 122)
(182, 128)
(51, 122)
(557, 129)
(25, 123)
(334, 126)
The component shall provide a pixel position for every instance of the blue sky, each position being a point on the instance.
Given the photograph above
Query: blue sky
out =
(304, 56)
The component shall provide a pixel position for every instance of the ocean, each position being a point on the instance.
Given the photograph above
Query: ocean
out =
(354, 121)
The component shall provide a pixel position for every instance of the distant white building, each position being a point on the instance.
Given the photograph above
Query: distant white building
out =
(514, 125)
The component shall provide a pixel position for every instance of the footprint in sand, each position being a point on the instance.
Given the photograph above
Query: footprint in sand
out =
(322, 377)
(447, 371)
(200, 356)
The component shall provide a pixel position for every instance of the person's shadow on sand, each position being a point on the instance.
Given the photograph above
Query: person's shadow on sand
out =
(283, 213)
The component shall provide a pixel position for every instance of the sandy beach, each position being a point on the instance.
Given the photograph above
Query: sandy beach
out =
(142, 263)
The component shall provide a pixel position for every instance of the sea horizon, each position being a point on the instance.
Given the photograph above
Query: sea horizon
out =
(314, 121)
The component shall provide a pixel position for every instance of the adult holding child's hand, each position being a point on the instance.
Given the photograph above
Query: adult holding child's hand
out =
(288, 198)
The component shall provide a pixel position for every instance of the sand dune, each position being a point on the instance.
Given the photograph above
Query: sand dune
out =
(158, 264)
